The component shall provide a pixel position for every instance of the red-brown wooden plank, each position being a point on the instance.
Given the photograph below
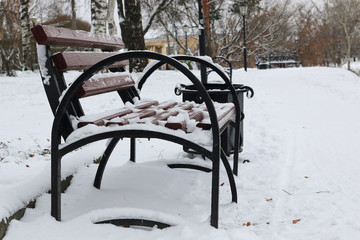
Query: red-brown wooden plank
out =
(126, 111)
(105, 83)
(163, 116)
(101, 121)
(75, 38)
(176, 125)
(196, 115)
(82, 60)
(186, 105)
(223, 118)
(146, 104)
(167, 105)
(126, 119)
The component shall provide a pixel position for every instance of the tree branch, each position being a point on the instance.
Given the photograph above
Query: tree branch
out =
(155, 12)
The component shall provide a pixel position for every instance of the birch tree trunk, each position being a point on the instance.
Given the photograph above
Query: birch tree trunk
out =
(98, 15)
(348, 41)
(110, 18)
(25, 35)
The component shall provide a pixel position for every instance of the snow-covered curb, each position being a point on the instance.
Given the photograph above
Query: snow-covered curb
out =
(16, 199)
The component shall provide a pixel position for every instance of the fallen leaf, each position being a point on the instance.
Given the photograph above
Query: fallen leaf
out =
(306, 177)
(296, 221)
(247, 224)
(27, 166)
(269, 199)
(32, 155)
(222, 184)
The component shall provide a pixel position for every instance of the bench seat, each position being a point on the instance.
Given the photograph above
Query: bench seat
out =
(171, 114)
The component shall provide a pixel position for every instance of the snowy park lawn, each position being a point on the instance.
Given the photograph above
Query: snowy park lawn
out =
(302, 132)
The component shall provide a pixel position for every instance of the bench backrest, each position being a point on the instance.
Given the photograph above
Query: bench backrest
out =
(53, 66)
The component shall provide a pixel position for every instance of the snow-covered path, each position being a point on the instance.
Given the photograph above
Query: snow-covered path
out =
(308, 133)
(302, 132)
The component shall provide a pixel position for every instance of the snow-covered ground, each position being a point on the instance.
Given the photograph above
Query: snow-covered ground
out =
(302, 132)
(355, 66)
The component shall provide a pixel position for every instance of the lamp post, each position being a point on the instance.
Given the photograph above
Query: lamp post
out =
(202, 42)
(243, 12)
(186, 29)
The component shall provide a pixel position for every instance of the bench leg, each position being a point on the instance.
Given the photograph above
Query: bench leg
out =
(214, 219)
(132, 149)
(56, 185)
(104, 159)
(230, 177)
(236, 148)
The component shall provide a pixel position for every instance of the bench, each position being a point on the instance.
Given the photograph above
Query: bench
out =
(283, 60)
(137, 118)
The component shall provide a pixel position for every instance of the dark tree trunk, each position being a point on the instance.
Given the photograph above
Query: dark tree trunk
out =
(73, 15)
(209, 46)
(132, 30)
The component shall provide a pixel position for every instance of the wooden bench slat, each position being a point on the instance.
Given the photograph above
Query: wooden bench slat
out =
(127, 118)
(167, 105)
(101, 121)
(67, 37)
(196, 115)
(227, 112)
(65, 61)
(186, 105)
(163, 116)
(226, 118)
(146, 104)
(105, 83)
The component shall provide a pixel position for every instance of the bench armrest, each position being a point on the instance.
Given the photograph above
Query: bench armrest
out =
(71, 92)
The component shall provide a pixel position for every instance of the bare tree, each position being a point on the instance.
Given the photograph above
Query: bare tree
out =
(175, 16)
(268, 29)
(10, 36)
(346, 14)
(269, 25)
(155, 7)
(132, 27)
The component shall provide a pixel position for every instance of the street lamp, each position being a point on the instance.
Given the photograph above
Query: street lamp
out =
(186, 29)
(243, 12)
